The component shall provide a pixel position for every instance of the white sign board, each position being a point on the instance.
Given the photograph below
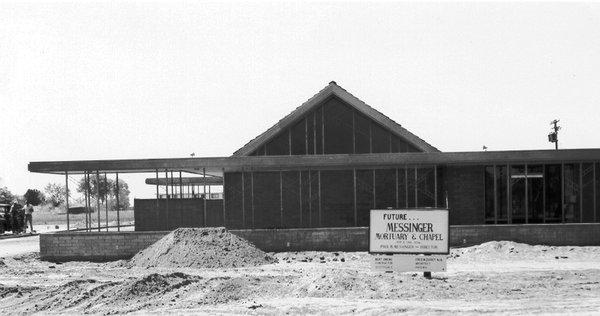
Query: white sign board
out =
(409, 231)
(409, 263)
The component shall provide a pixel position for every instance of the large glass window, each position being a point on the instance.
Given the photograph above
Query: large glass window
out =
(410, 188)
(337, 189)
(535, 193)
(402, 198)
(502, 194)
(338, 127)
(426, 187)
(299, 138)
(597, 196)
(280, 145)
(587, 192)
(319, 130)
(385, 188)
(362, 134)
(290, 186)
(571, 193)
(381, 139)
(517, 192)
(553, 179)
(364, 195)
(267, 200)
(490, 215)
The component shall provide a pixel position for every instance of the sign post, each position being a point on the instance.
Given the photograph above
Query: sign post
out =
(417, 239)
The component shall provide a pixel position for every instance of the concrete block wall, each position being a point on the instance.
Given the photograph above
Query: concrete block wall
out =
(95, 246)
(107, 246)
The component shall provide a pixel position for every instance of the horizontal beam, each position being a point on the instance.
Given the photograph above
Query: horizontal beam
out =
(215, 165)
(187, 181)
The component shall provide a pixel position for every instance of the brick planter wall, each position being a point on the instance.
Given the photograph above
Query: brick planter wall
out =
(107, 246)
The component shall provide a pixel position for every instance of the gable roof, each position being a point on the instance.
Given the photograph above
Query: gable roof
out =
(332, 89)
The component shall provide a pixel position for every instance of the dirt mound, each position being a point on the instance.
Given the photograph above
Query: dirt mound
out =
(201, 248)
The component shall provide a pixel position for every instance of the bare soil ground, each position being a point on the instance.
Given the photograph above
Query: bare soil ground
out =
(495, 277)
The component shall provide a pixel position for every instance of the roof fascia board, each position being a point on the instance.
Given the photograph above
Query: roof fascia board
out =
(250, 163)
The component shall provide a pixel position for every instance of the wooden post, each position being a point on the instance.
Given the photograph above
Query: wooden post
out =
(435, 186)
(406, 186)
(67, 197)
(562, 192)
(354, 185)
(580, 192)
(526, 197)
(243, 200)
(300, 194)
(117, 200)
(309, 199)
(98, 196)
(373, 191)
(397, 196)
(280, 199)
(416, 185)
(252, 195)
(595, 193)
(320, 206)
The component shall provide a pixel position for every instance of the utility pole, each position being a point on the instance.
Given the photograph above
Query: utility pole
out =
(553, 136)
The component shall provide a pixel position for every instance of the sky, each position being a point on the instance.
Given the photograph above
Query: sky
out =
(129, 79)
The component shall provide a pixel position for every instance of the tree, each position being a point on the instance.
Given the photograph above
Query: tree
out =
(55, 194)
(34, 197)
(107, 190)
(6, 197)
(123, 194)
(92, 186)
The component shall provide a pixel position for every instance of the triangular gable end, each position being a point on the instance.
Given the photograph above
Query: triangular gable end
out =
(334, 122)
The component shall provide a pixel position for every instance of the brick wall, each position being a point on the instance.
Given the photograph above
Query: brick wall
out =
(106, 246)
(98, 246)
(465, 194)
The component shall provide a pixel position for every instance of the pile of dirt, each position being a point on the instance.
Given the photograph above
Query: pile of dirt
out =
(201, 248)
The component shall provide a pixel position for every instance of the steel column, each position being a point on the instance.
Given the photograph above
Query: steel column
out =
(117, 200)
(224, 215)
(180, 186)
(98, 196)
(168, 197)
(204, 184)
(67, 197)
(106, 200)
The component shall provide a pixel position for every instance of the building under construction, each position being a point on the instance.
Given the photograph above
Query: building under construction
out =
(334, 158)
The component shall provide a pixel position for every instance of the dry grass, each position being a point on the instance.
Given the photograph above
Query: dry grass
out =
(48, 217)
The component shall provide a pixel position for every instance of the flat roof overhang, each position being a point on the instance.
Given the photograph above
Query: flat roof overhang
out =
(217, 165)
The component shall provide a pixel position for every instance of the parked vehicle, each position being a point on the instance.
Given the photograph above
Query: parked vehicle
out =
(12, 221)
(4, 218)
